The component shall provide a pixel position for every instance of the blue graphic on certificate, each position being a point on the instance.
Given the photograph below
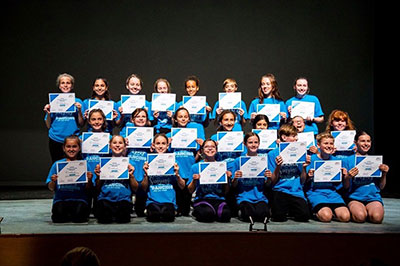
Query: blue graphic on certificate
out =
(62, 102)
(344, 140)
(293, 152)
(184, 138)
(231, 100)
(130, 103)
(139, 137)
(106, 106)
(114, 168)
(161, 164)
(368, 166)
(196, 105)
(268, 138)
(95, 143)
(270, 110)
(303, 109)
(71, 172)
(163, 102)
(328, 171)
(213, 173)
(307, 137)
(230, 141)
(253, 166)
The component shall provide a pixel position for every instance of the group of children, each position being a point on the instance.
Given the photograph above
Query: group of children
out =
(284, 190)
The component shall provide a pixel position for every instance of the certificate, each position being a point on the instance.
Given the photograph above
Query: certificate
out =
(229, 141)
(328, 171)
(139, 137)
(270, 110)
(268, 138)
(307, 137)
(94, 142)
(71, 172)
(344, 140)
(253, 166)
(163, 102)
(196, 105)
(106, 106)
(184, 138)
(62, 102)
(161, 164)
(303, 109)
(213, 173)
(130, 103)
(368, 166)
(230, 100)
(114, 168)
(293, 152)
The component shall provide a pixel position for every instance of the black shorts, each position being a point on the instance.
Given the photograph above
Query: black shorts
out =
(332, 206)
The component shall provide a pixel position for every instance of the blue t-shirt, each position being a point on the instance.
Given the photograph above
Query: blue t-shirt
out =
(283, 109)
(162, 121)
(110, 123)
(310, 127)
(194, 118)
(67, 192)
(161, 190)
(227, 157)
(115, 191)
(238, 126)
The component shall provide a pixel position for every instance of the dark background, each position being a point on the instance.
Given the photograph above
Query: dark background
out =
(332, 43)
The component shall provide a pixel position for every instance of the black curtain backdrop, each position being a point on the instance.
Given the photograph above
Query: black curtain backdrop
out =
(329, 42)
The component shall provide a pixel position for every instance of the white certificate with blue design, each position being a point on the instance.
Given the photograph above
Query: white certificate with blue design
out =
(196, 105)
(230, 100)
(344, 140)
(213, 173)
(268, 138)
(95, 142)
(270, 110)
(114, 168)
(163, 102)
(303, 109)
(130, 103)
(368, 166)
(139, 137)
(184, 138)
(161, 164)
(253, 166)
(71, 172)
(230, 141)
(62, 102)
(106, 106)
(293, 152)
(328, 171)
(307, 137)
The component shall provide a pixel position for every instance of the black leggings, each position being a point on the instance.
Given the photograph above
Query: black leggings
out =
(70, 211)
(258, 211)
(108, 211)
(210, 210)
(160, 212)
(284, 205)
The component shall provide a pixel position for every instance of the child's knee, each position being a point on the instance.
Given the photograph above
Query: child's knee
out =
(325, 215)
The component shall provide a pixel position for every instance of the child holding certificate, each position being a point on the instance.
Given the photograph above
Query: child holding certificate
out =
(209, 204)
(321, 190)
(363, 197)
(299, 123)
(268, 93)
(260, 125)
(162, 119)
(161, 196)
(100, 92)
(134, 85)
(305, 104)
(71, 202)
(114, 201)
(287, 199)
(63, 124)
(250, 190)
(230, 86)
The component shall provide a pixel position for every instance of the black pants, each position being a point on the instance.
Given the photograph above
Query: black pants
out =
(183, 200)
(258, 211)
(284, 205)
(160, 212)
(140, 202)
(210, 210)
(56, 150)
(107, 211)
(70, 211)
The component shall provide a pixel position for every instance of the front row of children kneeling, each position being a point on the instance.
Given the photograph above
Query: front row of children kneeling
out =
(285, 191)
